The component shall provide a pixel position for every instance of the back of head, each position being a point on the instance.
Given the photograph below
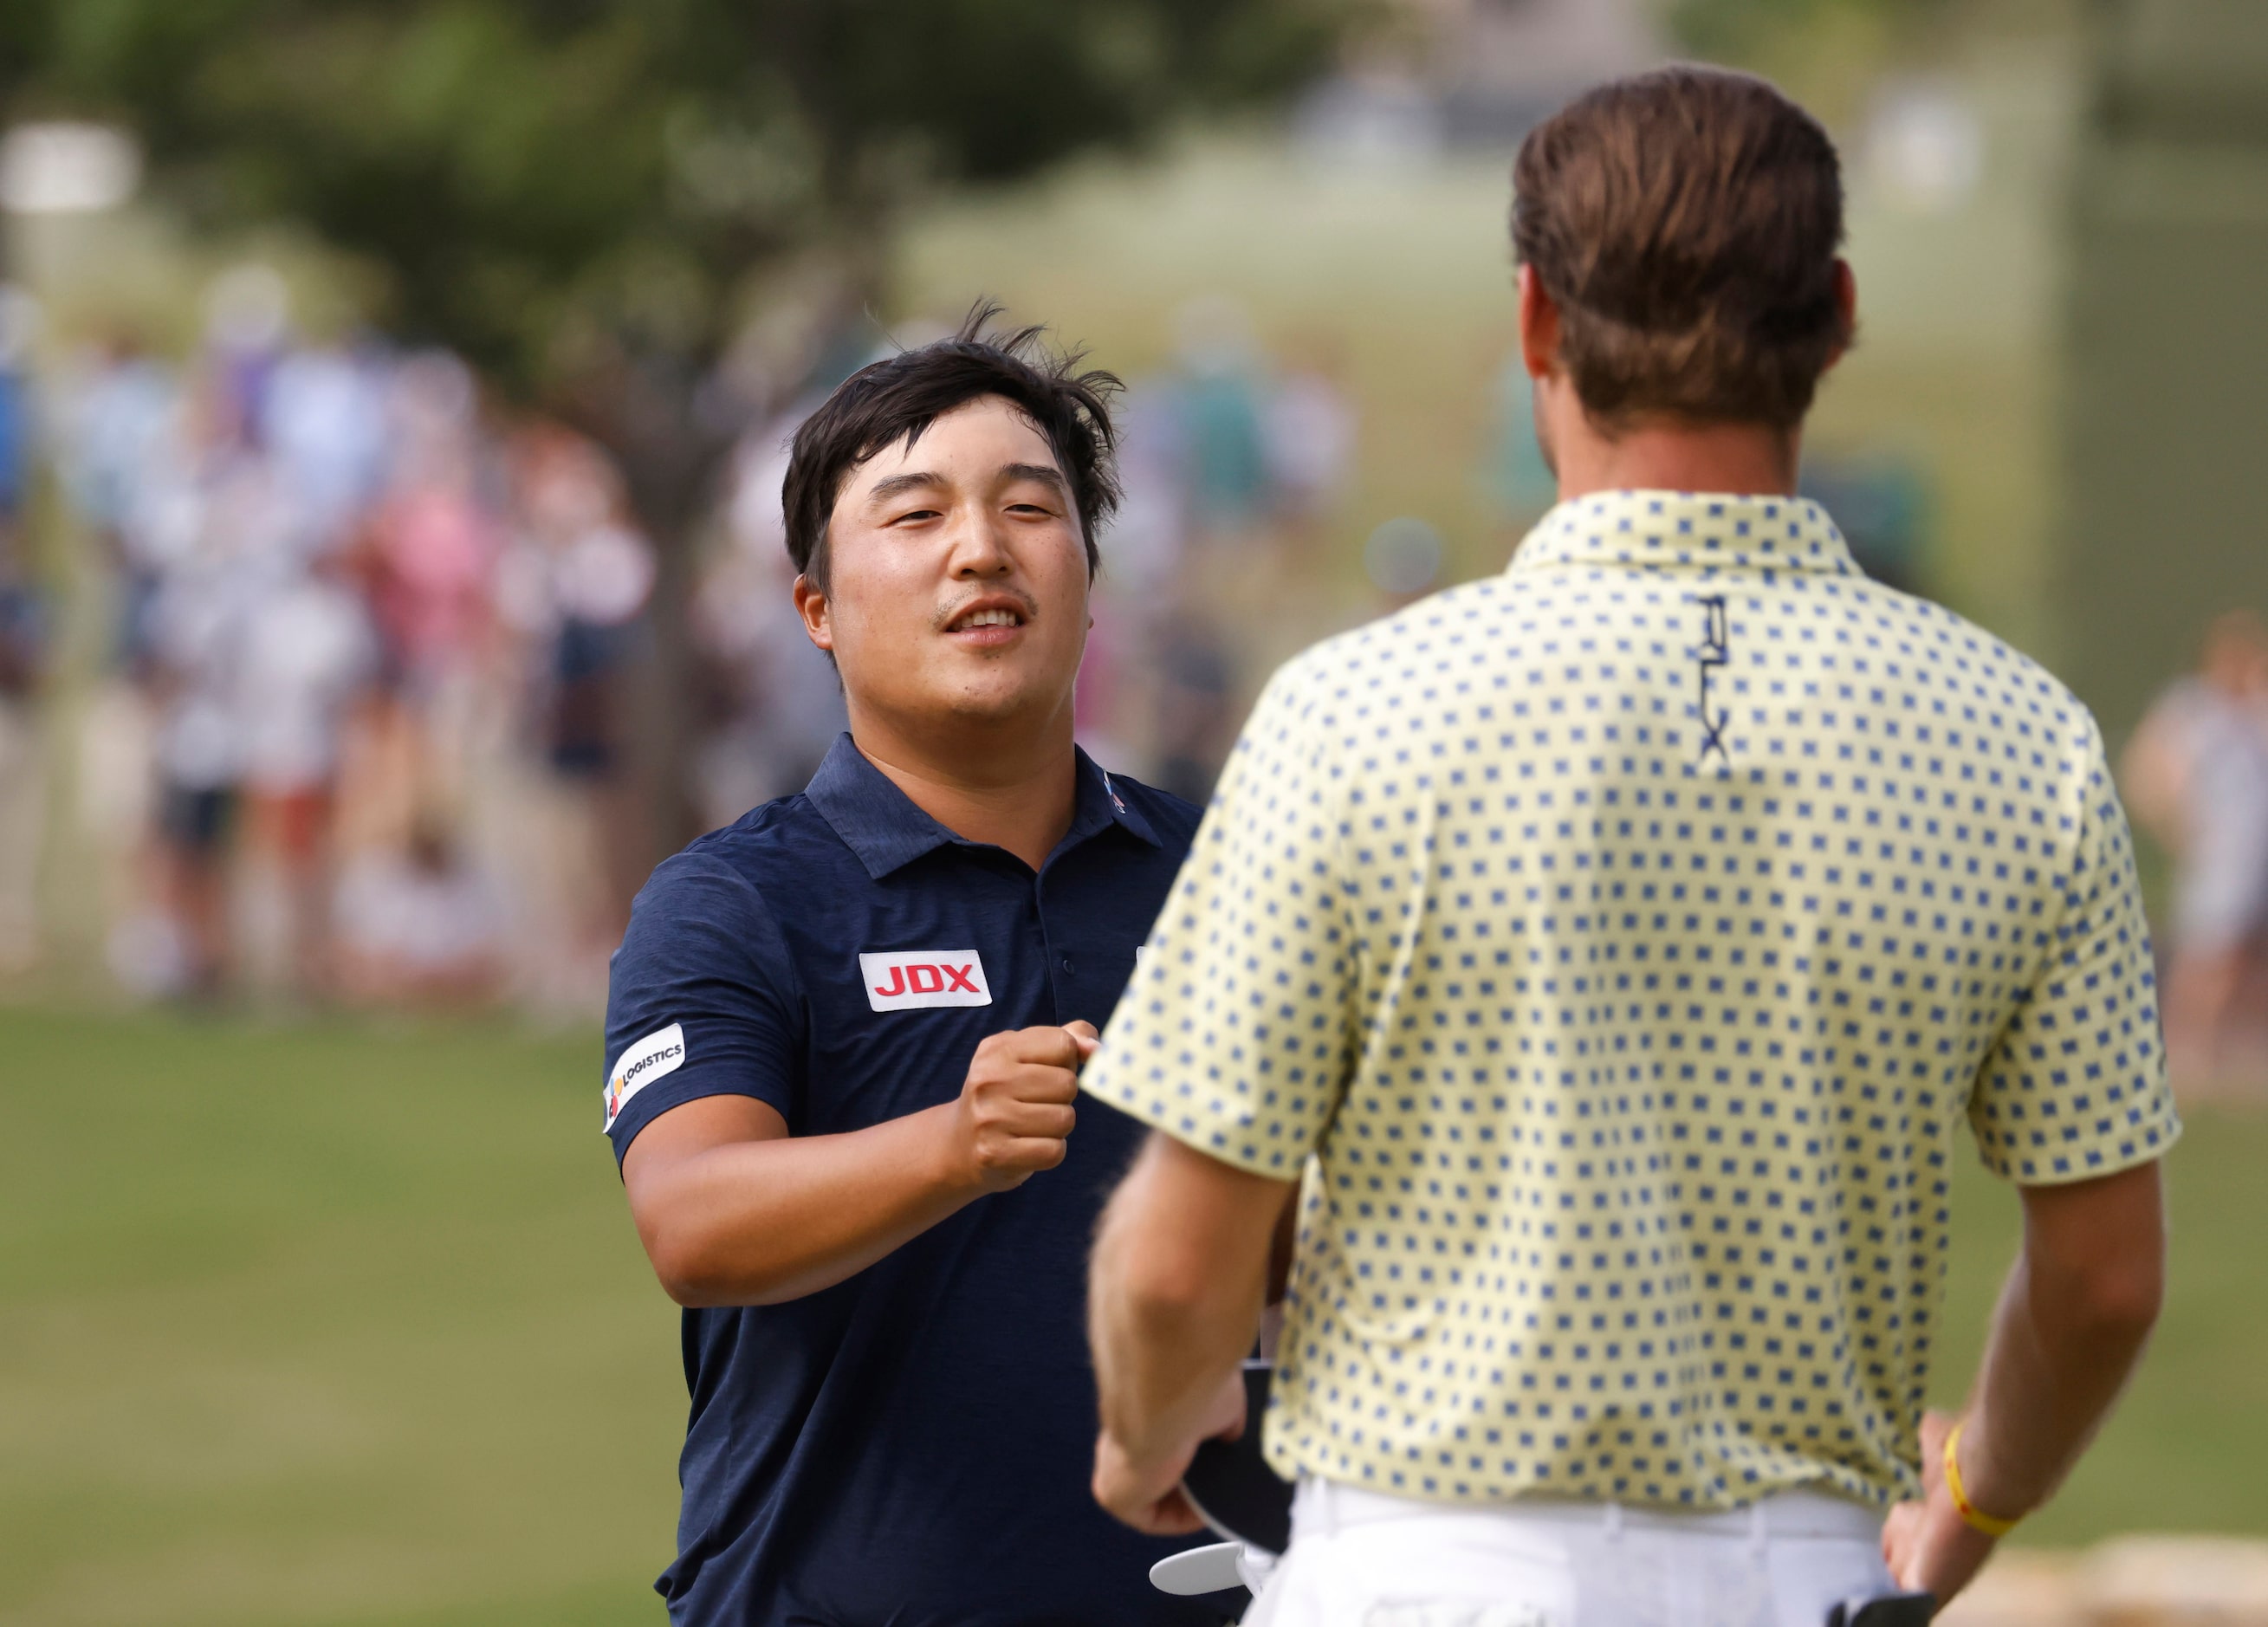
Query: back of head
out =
(1686, 222)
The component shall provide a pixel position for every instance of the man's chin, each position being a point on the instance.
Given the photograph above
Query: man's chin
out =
(1005, 711)
(993, 696)
(1004, 701)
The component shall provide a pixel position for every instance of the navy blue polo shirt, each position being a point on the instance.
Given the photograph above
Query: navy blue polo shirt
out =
(914, 1443)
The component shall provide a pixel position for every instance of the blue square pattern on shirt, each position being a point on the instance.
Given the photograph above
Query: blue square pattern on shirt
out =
(914, 1443)
(1626, 938)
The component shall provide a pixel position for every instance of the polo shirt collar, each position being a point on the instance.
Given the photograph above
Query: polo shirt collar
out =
(881, 825)
(1664, 530)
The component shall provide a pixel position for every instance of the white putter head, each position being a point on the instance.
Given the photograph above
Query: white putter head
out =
(1210, 1569)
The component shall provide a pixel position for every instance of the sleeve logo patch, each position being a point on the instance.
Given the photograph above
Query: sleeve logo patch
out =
(913, 978)
(660, 1052)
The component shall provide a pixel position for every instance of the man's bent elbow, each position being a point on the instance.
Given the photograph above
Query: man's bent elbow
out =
(2096, 1252)
(681, 1279)
(1148, 1268)
(2110, 1300)
(691, 1275)
(2123, 1300)
(1161, 1289)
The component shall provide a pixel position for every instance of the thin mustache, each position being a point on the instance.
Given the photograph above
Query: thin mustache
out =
(1024, 601)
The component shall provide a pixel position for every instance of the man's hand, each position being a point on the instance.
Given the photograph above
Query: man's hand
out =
(1015, 1107)
(1927, 1545)
(1148, 1496)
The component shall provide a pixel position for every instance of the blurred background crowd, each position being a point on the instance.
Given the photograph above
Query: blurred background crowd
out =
(370, 648)
(348, 623)
(390, 563)
(394, 397)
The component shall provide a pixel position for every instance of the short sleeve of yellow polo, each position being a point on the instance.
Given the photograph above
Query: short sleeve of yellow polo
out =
(2077, 1087)
(1233, 1036)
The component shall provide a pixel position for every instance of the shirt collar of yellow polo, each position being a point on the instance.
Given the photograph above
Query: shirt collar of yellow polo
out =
(1704, 532)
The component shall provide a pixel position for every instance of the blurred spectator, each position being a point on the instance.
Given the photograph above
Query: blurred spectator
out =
(1223, 439)
(419, 927)
(247, 322)
(1195, 721)
(225, 525)
(574, 583)
(1880, 506)
(2196, 775)
(432, 541)
(310, 656)
(120, 424)
(1245, 458)
(23, 774)
(323, 417)
(1514, 474)
(778, 705)
(1309, 430)
(23, 649)
(1143, 550)
(19, 320)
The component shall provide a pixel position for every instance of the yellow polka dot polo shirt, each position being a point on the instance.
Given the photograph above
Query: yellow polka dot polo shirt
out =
(1626, 938)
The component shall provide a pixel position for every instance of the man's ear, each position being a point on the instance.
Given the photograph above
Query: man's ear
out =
(1846, 302)
(811, 605)
(1539, 326)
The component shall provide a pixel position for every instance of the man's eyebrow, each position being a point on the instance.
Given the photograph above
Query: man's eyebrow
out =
(884, 490)
(1045, 473)
(917, 480)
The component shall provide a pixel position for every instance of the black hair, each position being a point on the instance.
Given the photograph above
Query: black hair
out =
(899, 397)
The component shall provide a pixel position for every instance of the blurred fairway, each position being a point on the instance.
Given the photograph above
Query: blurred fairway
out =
(328, 1324)
(336, 1324)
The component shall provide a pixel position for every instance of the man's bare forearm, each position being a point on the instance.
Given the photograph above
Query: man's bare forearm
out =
(1173, 1299)
(2071, 1324)
(1168, 1359)
(758, 1222)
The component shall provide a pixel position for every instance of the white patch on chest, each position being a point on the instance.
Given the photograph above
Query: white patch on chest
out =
(908, 979)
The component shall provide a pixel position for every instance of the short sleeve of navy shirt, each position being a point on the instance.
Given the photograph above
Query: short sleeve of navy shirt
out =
(913, 1445)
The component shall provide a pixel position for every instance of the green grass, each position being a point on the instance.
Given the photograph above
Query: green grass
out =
(347, 1325)
(322, 1325)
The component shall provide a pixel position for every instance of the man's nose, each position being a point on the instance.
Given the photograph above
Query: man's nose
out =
(979, 547)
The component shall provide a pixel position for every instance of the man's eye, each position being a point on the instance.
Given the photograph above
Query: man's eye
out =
(916, 514)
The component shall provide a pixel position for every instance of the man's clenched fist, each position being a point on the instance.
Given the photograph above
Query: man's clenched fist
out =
(1015, 1107)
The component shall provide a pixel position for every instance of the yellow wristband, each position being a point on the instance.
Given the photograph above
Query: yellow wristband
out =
(1974, 1518)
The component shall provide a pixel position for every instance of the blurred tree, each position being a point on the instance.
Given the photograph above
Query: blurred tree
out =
(599, 201)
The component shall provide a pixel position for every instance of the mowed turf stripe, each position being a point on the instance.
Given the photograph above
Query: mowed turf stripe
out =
(330, 1324)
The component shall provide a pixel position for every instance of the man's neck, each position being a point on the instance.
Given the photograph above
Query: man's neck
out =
(1008, 787)
(1746, 458)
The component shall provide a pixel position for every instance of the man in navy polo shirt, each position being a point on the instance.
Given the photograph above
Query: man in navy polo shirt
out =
(844, 1033)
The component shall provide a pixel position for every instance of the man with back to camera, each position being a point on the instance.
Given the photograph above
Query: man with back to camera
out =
(1623, 939)
(843, 1037)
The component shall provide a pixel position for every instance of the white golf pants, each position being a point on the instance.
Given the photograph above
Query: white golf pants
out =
(1360, 1558)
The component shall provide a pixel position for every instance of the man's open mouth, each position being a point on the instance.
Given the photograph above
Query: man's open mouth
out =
(984, 612)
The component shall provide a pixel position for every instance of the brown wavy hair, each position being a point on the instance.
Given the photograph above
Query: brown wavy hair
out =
(1686, 222)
